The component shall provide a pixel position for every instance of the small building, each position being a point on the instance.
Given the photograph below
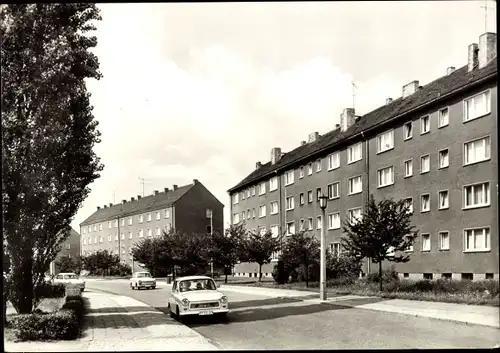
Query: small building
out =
(70, 248)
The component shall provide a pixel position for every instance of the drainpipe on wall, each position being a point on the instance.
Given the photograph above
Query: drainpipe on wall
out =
(367, 168)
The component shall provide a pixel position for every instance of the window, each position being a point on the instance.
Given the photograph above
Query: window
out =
(354, 215)
(109, 237)
(319, 222)
(149, 217)
(477, 239)
(335, 249)
(150, 232)
(385, 177)
(408, 168)
(425, 203)
(289, 177)
(385, 141)
(242, 214)
(116, 236)
(236, 218)
(302, 224)
(274, 207)
(90, 229)
(262, 188)
(477, 106)
(309, 169)
(95, 227)
(310, 196)
(116, 223)
(427, 276)
(242, 195)
(130, 221)
(318, 193)
(253, 212)
(100, 239)
(310, 223)
(301, 198)
(262, 211)
(158, 215)
(334, 220)
(130, 235)
(477, 151)
(274, 231)
(89, 240)
(334, 161)
(167, 213)
(444, 241)
(248, 214)
(444, 160)
(443, 117)
(355, 185)
(477, 195)
(425, 125)
(141, 219)
(109, 224)
(409, 204)
(248, 193)
(273, 184)
(84, 241)
(290, 203)
(408, 130)
(425, 164)
(301, 172)
(354, 153)
(262, 230)
(122, 236)
(334, 190)
(443, 200)
(122, 222)
(95, 239)
(100, 226)
(253, 190)
(426, 242)
(290, 228)
(84, 230)
(318, 165)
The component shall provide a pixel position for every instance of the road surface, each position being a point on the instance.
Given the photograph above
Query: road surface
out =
(264, 322)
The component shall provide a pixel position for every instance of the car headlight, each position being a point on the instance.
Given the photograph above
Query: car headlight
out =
(223, 299)
(185, 302)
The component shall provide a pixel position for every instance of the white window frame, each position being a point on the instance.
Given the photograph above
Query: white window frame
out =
(422, 124)
(116, 223)
(116, 236)
(122, 222)
(262, 214)
(310, 196)
(319, 222)
(236, 198)
(292, 203)
(318, 165)
(130, 235)
(253, 190)
(236, 218)
(253, 212)
(380, 139)
(167, 213)
(101, 239)
(310, 169)
(440, 193)
(440, 166)
(248, 193)
(242, 197)
(422, 171)
(141, 218)
(440, 239)
(488, 106)
(275, 234)
(290, 225)
(310, 223)
(486, 235)
(422, 242)
(486, 191)
(350, 153)
(122, 236)
(331, 217)
(262, 188)
(407, 136)
(335, 249)
(302, 224)
(407, 175)
(130, 221)
(141, 233)
(332, 186)
(422, 203)
(149, 217)
(289, 177)
(158, 215)
(109, 224)
(272, 212)
(243, 214)
(249, 214)
(301, 172)
(380, 175)
(95, 227)
(84, 230)
(84, 241)
(302, 199)
(487, 149)
(349, 184)
(273, 183)
(410, 198)
(440, 116)
(334, 161)
(109, 237)
(350, 214)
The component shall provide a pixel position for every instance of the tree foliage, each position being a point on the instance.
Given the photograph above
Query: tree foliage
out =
(48, 133)
(301, 252)
(100, 263)
(258, 248)
(225, 248)
(68, 264)
(384, 232)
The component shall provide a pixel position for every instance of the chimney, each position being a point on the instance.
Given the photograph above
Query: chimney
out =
(388, 101)
(166, 190)
(139, 197)
(258, 165)
(313, 136)
(487, 48)
(337, 126)
(347, 119)
(124, 201)
(98, 208)
(450, 70)
(132, 199)
(410, 88)
(175, 187)
(110, 205)
(302, 143)
(472, 61)
(105, 206)
(156, 192)
(275, 155)
(195, 181)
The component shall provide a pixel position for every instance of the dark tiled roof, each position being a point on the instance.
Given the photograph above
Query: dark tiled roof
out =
(439, 89)
(145, 204)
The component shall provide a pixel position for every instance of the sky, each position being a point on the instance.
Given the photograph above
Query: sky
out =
(205, 90)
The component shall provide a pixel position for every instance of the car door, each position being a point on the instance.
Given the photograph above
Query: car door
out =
(171, 297)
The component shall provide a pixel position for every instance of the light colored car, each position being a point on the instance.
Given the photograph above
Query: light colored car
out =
(142, 279)
(196, 295)
(69, 278)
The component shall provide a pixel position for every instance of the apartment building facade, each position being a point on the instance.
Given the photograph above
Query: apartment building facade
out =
(432, 146)
(117, 228)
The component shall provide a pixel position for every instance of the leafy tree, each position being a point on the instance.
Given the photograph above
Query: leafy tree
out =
(301, 250)
(225, 248)
(382, 233)
(342, 265)
(101, 262)
(154, 253)
(66, 264)
(189, 253)
(48, 133)
(259, 248)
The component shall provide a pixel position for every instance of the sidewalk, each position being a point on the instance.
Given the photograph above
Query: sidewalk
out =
(469, 314)
(120, 323)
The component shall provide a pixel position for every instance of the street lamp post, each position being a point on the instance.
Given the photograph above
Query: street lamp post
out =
(210, 215)
(323, 200)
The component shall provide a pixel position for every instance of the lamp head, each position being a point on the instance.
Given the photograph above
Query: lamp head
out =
(323, 200)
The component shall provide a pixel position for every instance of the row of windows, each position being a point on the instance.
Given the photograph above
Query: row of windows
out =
(114, 223)
(140, 233)
(474, 151)
(111, 251)
(474, 239)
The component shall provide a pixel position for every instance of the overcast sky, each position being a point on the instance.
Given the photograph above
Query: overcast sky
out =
(203, 91)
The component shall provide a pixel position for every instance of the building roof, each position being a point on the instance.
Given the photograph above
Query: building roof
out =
(145, 204)
(437, 90)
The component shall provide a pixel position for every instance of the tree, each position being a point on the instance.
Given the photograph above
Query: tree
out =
(155, 254)
(225, 248)
(66, 264)
(48, 133)
(257, 247)
(301, 250)
(189, 253)
(383, 233)
(101, 262)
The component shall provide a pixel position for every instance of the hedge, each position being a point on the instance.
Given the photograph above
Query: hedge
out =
(51, 290)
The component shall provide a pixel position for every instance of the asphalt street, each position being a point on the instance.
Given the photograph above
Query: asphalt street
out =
(264, 322)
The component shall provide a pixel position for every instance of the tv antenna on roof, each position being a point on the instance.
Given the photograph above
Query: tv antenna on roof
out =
(353, 93)
(143, 181)
(486, 8)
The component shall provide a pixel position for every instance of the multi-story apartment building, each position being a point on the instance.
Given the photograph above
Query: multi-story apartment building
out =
(117, 228)
(70, 248)
(432, 146)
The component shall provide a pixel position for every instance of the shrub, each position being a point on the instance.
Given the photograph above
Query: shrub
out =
(51, 290)
(387, 276)
(120, 270)
(343, 266)
(280, 274)
(62, 324)
(76, 306)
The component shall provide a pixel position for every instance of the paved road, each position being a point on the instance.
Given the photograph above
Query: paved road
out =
(263, 322)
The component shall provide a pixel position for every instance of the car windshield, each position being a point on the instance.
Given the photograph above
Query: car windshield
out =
(70, 277)
(143, 274)
(196, 285)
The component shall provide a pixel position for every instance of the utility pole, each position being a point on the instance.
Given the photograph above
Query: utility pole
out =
(143, 181)
(486, 8)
